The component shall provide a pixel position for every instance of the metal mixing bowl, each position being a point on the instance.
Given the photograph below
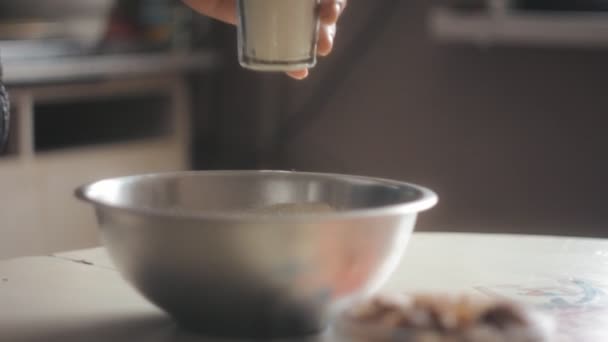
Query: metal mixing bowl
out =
(194, 244)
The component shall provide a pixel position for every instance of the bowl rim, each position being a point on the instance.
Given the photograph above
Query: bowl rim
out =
(426, 199)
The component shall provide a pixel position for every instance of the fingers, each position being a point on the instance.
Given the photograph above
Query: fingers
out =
(331, 10)
(329, 14)
(298, 74)
(326, 39)
(224, 10)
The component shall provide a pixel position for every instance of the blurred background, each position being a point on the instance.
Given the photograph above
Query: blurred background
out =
(497, 105)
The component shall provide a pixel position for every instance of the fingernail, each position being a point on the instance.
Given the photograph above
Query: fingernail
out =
(338, 6)
(332, 32)
(298, 76)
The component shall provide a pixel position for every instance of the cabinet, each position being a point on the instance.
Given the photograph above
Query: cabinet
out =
(64, 135)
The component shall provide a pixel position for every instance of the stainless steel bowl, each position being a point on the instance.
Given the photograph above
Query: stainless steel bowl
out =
(195, 244)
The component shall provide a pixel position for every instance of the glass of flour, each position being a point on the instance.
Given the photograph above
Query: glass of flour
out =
(278, 35)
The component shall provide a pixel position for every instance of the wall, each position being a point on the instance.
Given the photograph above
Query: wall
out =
(512, 139)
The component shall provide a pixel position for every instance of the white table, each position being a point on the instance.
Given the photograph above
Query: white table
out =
(78, 296)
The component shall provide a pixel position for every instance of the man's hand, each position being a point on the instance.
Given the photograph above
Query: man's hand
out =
(330, 11)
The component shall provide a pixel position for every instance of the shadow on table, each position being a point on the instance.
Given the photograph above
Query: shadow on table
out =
(146, 327)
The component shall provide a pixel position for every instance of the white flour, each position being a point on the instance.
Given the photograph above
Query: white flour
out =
(279, 31)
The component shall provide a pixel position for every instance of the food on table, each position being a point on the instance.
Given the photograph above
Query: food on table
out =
(442, 318)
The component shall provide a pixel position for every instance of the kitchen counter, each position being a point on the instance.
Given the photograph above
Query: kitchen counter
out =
(79, 296)
(62, 69)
